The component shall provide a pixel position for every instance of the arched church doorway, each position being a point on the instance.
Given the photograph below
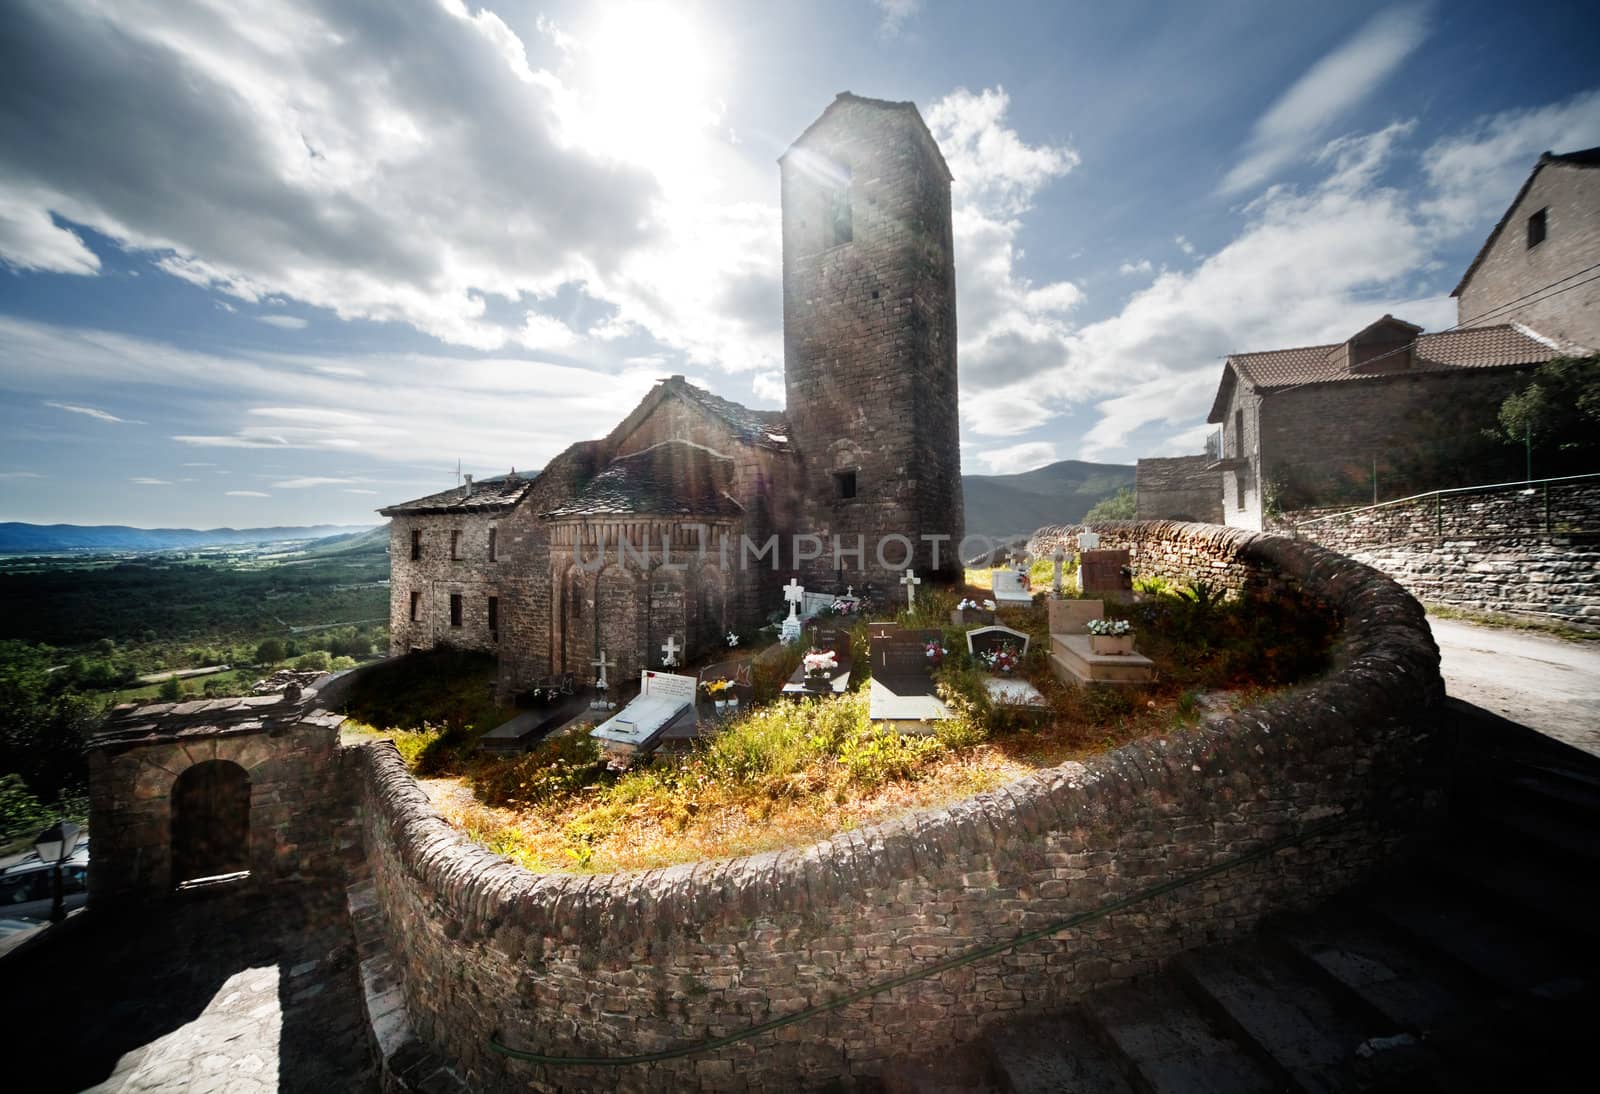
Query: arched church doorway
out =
(210, 821)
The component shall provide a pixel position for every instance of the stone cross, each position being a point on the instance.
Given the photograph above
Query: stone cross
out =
(602, 664)
(1056, 557)
(911, 581)
(733, 639)
(669, 651)
(794, 593)
(1088, 541)
(849, 592)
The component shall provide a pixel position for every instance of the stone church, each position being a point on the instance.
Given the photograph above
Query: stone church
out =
(684, 521)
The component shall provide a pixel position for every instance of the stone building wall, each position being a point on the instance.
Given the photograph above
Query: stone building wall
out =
(437, 576)
(288, 751)
(1527, 551)
(639, 962)
(870, 337)
(1513, 271)
(1178, 488)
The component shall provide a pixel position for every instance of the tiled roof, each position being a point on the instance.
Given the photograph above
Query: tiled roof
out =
(671, 479)
(767, 428)
(1473, 347)
(482, 496)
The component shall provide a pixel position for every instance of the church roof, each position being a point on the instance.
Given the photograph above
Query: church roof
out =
(483, 496)
(1500, 346)
(1589, 157)
(765, 428)
(671, 479)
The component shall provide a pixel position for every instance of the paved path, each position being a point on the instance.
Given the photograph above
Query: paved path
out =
(1548, 684)
(252, 994)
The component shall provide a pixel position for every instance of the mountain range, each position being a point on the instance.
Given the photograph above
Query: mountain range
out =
(20, 538)
(1059, 493)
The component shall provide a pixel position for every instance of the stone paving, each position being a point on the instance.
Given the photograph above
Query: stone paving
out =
(230, 993)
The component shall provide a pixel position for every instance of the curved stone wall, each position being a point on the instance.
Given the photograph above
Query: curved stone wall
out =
(620, 964)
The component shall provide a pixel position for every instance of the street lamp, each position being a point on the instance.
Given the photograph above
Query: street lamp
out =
(55, 845)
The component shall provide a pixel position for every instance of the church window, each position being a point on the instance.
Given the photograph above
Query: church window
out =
(840, 225)
(455, 609)
(494, 613)
(416, 605)
(494, 553)
(1537, 227)
(416, 544)
(844, 484)
(455, 545)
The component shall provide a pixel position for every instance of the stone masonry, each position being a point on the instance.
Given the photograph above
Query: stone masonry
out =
(1178, 488)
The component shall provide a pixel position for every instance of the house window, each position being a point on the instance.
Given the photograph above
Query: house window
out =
(416, 605)
(1537, 227)
(455, 609)
(455, 545)
(494, 551)
(1238, 433)
(416, 544)
(844, 483)
(840, 227)
(494, 613)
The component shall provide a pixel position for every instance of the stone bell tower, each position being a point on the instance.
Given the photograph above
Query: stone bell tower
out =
(869, 339)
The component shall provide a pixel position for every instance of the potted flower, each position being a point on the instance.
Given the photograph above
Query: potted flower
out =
(936, 654)
(843, 605)
(819, 665)
(968, 612)
(1003, 660)
(720, 693)
(1110, 636)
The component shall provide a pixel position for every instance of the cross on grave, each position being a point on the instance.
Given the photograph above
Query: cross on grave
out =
(849, 592)
(911, 581)
(1088, 541)
(794, 593)
(733, 639)
(602, 664)
(1056, 557)
(669, 651)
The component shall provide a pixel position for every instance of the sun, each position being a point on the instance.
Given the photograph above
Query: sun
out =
(649, 79)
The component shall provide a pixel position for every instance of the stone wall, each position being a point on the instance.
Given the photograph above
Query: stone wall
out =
(629, 963)
(1178, 488)
(869, 334)
(288, 751)
(1531, 551)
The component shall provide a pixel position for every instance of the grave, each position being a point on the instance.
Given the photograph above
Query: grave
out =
(741, 688)
(837, 679)
(1010, 586)
(902, 693)
(1006, 689)
(1072, 653)
(795, 594)
(663, 709)
(1106, 574)
(532, 726)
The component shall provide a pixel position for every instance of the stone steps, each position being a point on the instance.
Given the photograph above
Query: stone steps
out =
(1168, 1046)
(1076, 663)
(1056, 1055)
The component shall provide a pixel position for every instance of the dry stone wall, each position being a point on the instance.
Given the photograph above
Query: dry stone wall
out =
(619, 964)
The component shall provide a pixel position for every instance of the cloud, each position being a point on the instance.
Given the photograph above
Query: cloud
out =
(1142, 266)
(1018, 457)
(283, 322)
(145, 481)
(355, 491)
(93, 412)
(20, 475)
(30, 239)
(1183, 244)
(1329, 89)
(314, 480)
(895, 14)
(247, 494)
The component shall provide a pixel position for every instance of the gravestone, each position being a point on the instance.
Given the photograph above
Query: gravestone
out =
(838, 679)
(665, 702)
(795, 594)
(910, 580)
(1004, 689)
(1106, 573)
(1009, 587)
(902, 694)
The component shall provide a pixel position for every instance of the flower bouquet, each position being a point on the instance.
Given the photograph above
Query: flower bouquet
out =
(1110, 636)
(1003, 660)
(819, 665)
(968, 612)
(720, 692)
(936, 654)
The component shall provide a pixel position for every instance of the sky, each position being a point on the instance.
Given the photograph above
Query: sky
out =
(283, 263)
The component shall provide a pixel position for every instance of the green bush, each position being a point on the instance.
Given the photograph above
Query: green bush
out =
(315, 661)
(877, 756)
(557, 766)
(270, 652)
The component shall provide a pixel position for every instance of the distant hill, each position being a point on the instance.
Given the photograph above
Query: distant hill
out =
(1060, 493)
(19, 538)
(372, 541)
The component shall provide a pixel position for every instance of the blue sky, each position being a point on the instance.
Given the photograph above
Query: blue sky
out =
(285, 264)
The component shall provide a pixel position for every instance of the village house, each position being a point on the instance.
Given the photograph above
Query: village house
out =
(1392, 409)
(664, 528)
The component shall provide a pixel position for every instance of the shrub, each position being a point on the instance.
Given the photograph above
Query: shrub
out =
(315, 661)
(556, 766)
(270, 652)
(878, 756)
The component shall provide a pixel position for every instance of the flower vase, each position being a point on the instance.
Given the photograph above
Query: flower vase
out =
(817, 682)
(1111, 644)
(720, 704)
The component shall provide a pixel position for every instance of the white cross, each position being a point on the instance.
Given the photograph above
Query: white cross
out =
(733, 639)
(849, 592)
(602, 664)
(1088, 541)
(911, 581)
(794, 593)
(669, 651)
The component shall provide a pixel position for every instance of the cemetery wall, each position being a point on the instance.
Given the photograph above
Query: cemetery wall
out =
(1527, 551)
(1178, 488)
(618, 964)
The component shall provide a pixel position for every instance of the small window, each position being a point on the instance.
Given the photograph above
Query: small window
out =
(455, 545)
(1537, 227)
(455, 609)
(416, 605)
(841, 228)
(1238, 433)
(494, 549)
(844, 483)
(494, 613)
(416, 544)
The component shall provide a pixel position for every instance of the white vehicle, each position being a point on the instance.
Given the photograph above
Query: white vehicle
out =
(27, 889)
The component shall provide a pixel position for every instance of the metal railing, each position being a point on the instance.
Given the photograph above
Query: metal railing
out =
(1438, 496)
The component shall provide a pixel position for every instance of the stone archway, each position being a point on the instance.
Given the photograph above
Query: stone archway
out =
(210, 821)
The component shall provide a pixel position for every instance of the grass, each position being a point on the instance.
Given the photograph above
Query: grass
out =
(1532, 624)
(786, 773)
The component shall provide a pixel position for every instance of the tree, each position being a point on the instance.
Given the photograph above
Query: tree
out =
(270, 652)
(1558, 411)
(1119, 506)
(171, 690)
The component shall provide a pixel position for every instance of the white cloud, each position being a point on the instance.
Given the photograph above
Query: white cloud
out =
(1018, 457)
(92, 412)
(283, 322)
(145, 481)
(1183, 244)
(314, 480)
(1328, 90)
(354, 491)
(247, 494)
(31, 240)
(20, 475)
(1143, 266)
(769, 386)
(895, 14)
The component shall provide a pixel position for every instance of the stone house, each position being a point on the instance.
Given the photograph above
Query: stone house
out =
(682, 522)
